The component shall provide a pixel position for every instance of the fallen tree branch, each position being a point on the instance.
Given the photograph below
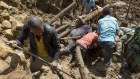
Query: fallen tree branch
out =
(62, 12)
(66, 38)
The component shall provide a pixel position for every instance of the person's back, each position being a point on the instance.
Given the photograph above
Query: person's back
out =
(107, 28)
(88, 39)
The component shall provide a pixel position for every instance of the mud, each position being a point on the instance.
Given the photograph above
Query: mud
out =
(14, 64)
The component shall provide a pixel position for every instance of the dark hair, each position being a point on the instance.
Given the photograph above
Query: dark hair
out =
(34, 22)
(94, 27)
(106, 11)
(124, 23)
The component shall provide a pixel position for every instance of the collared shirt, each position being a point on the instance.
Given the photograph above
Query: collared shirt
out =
(107, 27)
(88, 5)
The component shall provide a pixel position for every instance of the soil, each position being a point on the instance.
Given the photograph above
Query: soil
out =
(15, 65)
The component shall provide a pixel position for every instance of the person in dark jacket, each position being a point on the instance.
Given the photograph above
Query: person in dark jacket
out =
(43, 42)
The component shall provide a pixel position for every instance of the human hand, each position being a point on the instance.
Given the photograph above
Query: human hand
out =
(13, 43)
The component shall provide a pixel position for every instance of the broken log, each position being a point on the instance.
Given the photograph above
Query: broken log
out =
(66, 32)
(87, 18)
(62, 27)
(93, 14)
(66, 38)
(62, 12)
(128, 9)
(81, 66)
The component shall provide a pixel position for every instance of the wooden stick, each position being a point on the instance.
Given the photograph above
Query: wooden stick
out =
(84, 74)
(62, 12)
(66, 38)
(64, 33)
(128, 10)
(62, 27)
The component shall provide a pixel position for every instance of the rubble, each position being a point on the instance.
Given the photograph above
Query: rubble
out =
(3, 5)
(6, 25)
(15, 64)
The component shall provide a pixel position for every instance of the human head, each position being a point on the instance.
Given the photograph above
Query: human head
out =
(106, 11)
(35, 25)
(94, 27)
(124, 24)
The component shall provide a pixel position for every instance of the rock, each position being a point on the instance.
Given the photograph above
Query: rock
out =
(4, 65)
(3, 5)
(8, 34)
(12, 10)
(19, 25)
(12, 19)
(5, 15)
(6, 24)
(4, 49)
(0, 29)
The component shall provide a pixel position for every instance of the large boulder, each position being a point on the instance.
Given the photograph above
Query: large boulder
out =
(6, 24)
(3, 5)
(5, 15)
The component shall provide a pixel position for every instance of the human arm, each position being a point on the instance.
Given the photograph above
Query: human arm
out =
(56, 44)
(127, 42)
(22, 36)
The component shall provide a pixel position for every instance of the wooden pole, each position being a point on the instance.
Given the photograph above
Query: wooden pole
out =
(128, 9)
(66, 38)
(84, 74)
(62, 27)
(62, 12)
(66, 32)
(87, 18)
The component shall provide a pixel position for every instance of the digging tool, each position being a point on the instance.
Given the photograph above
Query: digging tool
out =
(52, 67)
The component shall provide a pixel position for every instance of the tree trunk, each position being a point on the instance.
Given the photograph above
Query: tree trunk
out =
(84, 74)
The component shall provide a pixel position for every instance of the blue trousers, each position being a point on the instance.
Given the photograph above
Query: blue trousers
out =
(108, 48)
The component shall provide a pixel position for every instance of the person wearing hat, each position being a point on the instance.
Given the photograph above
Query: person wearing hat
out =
(108, 28)
(43, 42)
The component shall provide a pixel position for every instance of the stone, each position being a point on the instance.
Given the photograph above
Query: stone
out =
(0, 29)
(6, 24)
(19, 25)
(4, 65)
(12, 10)
(3, 5)
(5, 15)
(8, 34)
(12, 19)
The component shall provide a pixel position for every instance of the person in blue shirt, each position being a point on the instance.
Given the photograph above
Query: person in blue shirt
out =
(89, 4)
(107, 28)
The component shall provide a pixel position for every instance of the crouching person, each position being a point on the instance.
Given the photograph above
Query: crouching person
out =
(133, 51)
(43, 42)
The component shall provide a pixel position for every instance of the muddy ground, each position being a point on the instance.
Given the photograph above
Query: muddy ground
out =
(15, 65)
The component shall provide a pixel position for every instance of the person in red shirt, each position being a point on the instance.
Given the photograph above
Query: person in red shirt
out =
(89, 40)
